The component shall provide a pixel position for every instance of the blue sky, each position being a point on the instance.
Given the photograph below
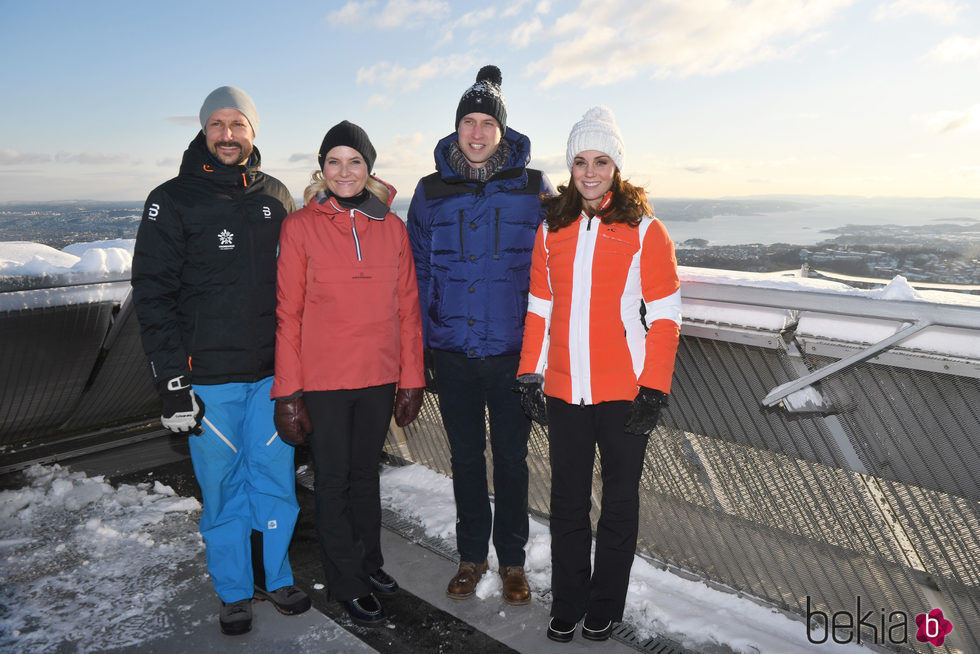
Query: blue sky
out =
(713, 97)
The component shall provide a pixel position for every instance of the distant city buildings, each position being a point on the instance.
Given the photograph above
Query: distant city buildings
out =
(947, 253)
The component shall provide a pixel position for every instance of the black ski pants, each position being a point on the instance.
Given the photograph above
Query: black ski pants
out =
(349, 429)
(574, 431)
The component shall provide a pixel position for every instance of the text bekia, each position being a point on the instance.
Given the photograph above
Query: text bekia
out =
(847, 627)
(873, 625)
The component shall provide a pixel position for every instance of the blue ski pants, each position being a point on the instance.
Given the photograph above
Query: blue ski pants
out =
(248, 482)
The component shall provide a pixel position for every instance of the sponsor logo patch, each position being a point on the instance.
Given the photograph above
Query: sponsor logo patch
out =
(226, 240)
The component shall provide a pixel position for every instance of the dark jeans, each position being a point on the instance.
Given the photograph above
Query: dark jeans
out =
(574, 431)
(349, 429)
(467, 388)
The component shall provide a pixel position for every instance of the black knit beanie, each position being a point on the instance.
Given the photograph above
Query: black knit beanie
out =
(349, 134)
(484, 97)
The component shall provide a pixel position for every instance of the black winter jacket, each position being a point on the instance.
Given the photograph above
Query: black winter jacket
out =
(204, 270)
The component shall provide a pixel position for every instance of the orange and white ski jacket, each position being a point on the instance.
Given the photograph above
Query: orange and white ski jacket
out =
(594, 290)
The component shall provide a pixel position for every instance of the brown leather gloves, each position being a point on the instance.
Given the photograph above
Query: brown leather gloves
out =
(292, 420)
(408, 401)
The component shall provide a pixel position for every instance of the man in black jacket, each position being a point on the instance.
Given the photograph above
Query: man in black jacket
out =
(204, 287)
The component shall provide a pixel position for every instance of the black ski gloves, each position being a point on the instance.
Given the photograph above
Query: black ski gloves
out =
(182, 410)
(645, 411)
(531, 388)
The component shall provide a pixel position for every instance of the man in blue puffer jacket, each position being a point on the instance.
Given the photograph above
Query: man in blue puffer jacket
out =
(472, 225)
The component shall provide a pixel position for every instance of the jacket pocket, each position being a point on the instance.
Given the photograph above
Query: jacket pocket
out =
(358, 297)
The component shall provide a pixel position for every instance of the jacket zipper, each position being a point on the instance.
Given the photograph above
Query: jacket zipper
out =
(496, 233)
(462, 255)
(250, 236)
(353, 229)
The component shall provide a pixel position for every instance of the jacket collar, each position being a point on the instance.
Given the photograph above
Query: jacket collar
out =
(198, 162)
(372, 207)
(520, 155)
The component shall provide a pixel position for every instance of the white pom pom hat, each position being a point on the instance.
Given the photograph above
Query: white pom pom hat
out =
(596, 131)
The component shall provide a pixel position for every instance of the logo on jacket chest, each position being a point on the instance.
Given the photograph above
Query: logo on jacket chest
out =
(226, 240)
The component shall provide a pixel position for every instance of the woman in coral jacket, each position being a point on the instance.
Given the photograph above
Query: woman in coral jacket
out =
(602, 329)
(349, 333)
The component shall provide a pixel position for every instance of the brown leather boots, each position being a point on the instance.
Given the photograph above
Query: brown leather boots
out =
(515, 588)
(463, 584)
(516, 591)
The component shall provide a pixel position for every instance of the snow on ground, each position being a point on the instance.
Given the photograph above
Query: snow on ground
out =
(84, 563)
(85, 566)
(658, 602)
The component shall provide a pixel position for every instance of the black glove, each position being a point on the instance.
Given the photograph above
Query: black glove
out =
(182, 409)
(645, 411)
(531, 387)
(430, 371)
(408, 402)
(292, 420)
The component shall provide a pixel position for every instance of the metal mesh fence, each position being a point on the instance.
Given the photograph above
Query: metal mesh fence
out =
(868, 505)
(70, 361)
(872, 497)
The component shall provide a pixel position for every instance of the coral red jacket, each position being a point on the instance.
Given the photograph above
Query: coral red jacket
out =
(348, 307)
(584, 328)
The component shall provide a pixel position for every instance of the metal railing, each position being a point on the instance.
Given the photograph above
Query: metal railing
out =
(869, 491)
(71, 362)
(804, 469)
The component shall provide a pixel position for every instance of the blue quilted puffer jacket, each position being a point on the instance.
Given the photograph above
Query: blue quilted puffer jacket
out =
(472, 243)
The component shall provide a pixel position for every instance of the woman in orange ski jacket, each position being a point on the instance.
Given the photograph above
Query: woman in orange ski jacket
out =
(348, 348)
(601, 335)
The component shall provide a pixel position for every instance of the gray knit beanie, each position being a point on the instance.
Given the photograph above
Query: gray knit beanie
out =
(596, 131)
(229, 97)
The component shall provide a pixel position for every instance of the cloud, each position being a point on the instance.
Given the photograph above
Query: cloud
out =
(468, 20)
(168, 162)
(10, 157)
(94, 158)
(942, 11)
(380, 100)
(513, 9)
(406, 147)
(956, 49)
(397, 77)
(969, 172)
(403, 157)
(945, 122)
(185, 120)
(523, 35)
(552, 162)
(607, 41)
(303, 157)
(396, 14)
(351, 14)
(475, 18)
